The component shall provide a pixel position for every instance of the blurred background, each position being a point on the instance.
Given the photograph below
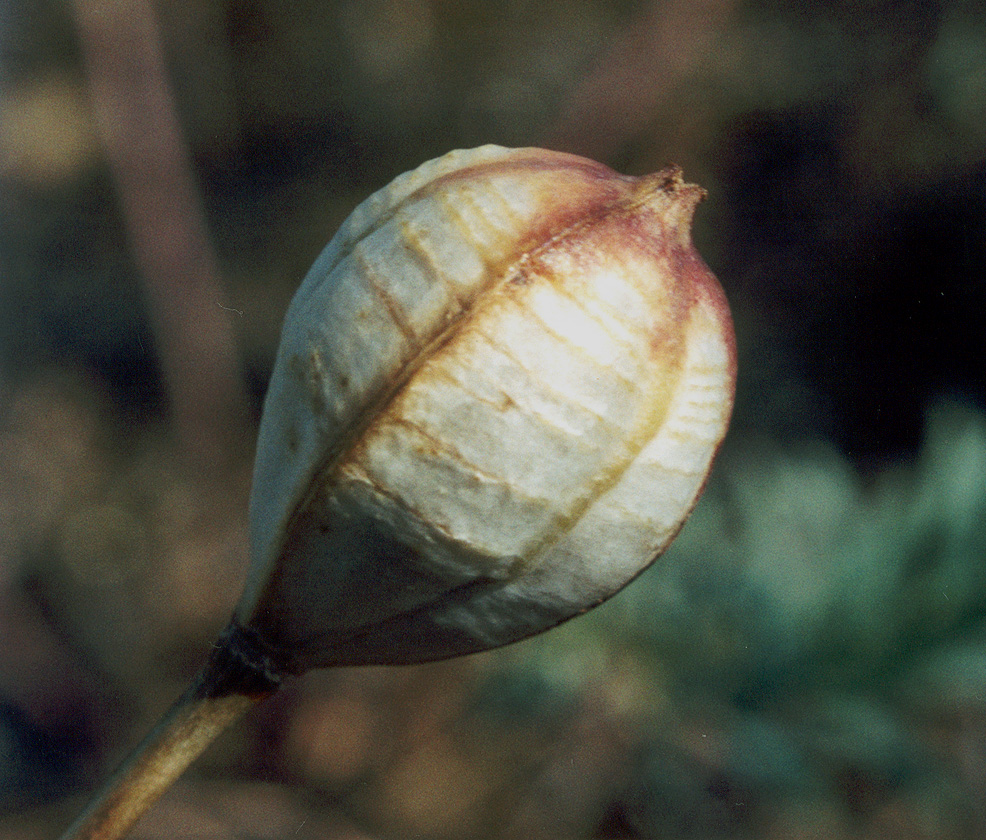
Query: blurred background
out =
(809, 659)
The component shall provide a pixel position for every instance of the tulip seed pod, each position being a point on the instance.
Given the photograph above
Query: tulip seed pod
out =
(497, 396)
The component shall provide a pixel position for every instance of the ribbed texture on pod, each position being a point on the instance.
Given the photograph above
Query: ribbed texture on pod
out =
(497, 396)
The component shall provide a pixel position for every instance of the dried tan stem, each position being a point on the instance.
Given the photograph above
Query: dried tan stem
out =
(236, 677)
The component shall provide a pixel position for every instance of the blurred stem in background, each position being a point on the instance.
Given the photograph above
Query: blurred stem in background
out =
(139, 130)
(638, 76)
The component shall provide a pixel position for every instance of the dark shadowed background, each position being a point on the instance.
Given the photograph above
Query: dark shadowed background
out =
(808, 661)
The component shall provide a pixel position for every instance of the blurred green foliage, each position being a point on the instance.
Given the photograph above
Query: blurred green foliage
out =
(826, 632)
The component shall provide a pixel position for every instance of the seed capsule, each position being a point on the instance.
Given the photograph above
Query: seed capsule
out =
(498, 394)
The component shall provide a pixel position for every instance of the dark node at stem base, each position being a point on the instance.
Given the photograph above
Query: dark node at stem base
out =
(241, 663)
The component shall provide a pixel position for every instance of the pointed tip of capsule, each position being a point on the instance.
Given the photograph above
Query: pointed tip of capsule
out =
(666, 193)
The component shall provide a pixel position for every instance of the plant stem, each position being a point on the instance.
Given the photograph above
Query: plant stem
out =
(137, 119)
(238, 675)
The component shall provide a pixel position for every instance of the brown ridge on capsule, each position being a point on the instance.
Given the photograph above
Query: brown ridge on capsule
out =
(585, 189)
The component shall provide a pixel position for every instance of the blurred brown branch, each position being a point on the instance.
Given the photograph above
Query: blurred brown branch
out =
(137, 121)
(638, 76)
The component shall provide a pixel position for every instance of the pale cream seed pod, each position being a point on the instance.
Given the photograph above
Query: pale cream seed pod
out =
(498, 393)
(497, 397)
